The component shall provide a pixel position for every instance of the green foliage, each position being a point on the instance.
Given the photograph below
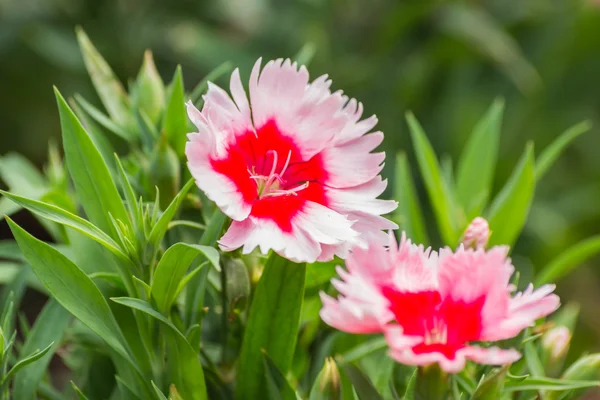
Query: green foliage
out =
(273, 322)
(185, 321)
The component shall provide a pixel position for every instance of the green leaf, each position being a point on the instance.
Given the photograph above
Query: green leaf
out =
(97, 134)
(150, 90)
(532, 358)
(491, 387)
(9, 250)
(476, 28)
(175, 120)
(71, 287)
(272, 324)
(79, 393)
(159, 393)
(184, 365)
(408, 215)
(158, 230)
(109, 89)
(555, 149)
(94, 185)
(103, 119)
(478, 161)
(212, 76)
(130, 197)
(363, 386)
(409, 394)
(585, 370)
(36, 355)
(21, 176)
(508, 212)
(440, 195)
(548, 384)
(362, 350)
(306, 54)
(63, 217)
(127, 391)
(278, 387)
(194, 297)
(171, 269)
(568, 260)
(49, 327)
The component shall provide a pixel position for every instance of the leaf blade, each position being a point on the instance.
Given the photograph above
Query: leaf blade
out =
(272, 324)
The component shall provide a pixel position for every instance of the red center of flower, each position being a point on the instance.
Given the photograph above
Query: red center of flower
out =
(270, 173)
(446, 325)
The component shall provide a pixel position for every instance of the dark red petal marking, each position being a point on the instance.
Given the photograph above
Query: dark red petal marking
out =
(250, 153)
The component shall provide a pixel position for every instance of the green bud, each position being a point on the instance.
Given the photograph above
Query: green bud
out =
(555, 346)
(149, 93)
(327, 385)
(174, 394)
(237, 285)
(165, 172)
(431, 384)
(585, 369)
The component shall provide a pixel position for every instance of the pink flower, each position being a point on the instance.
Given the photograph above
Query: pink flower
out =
(293, 168)
(432, 307)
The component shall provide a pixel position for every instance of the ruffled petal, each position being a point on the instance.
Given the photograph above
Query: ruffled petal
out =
(523, 310)
(219, 188)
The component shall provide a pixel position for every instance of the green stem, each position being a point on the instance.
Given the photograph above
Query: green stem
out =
(224, 312)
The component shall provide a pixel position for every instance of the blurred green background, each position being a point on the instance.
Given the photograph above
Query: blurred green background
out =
(444, 60)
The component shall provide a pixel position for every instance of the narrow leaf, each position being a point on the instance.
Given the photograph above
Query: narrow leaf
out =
(161, 226)
(175, 120)
(272, 324)
(103, 119)
(63, 217)
(555, 149)
(185, 365)
(363, 349)
(71, 287)
(408, 215)
(568, 260)
(212, 76)
(94, 185)
(363, 386)
(440, 195)
(172, 268)
(36, 355)
(49, 327)
(278, 387)
(509, 210)
(478, 160)
(79, 393)
(109, 89)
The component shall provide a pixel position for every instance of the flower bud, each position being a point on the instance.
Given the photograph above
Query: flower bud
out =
(477, 234)
(557, 341)
(555, 345)
(149, 92)
(587, 368)
(327, 385)
(174, 394)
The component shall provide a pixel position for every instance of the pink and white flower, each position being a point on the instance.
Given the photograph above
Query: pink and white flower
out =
(292, 168)
(433, 306)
